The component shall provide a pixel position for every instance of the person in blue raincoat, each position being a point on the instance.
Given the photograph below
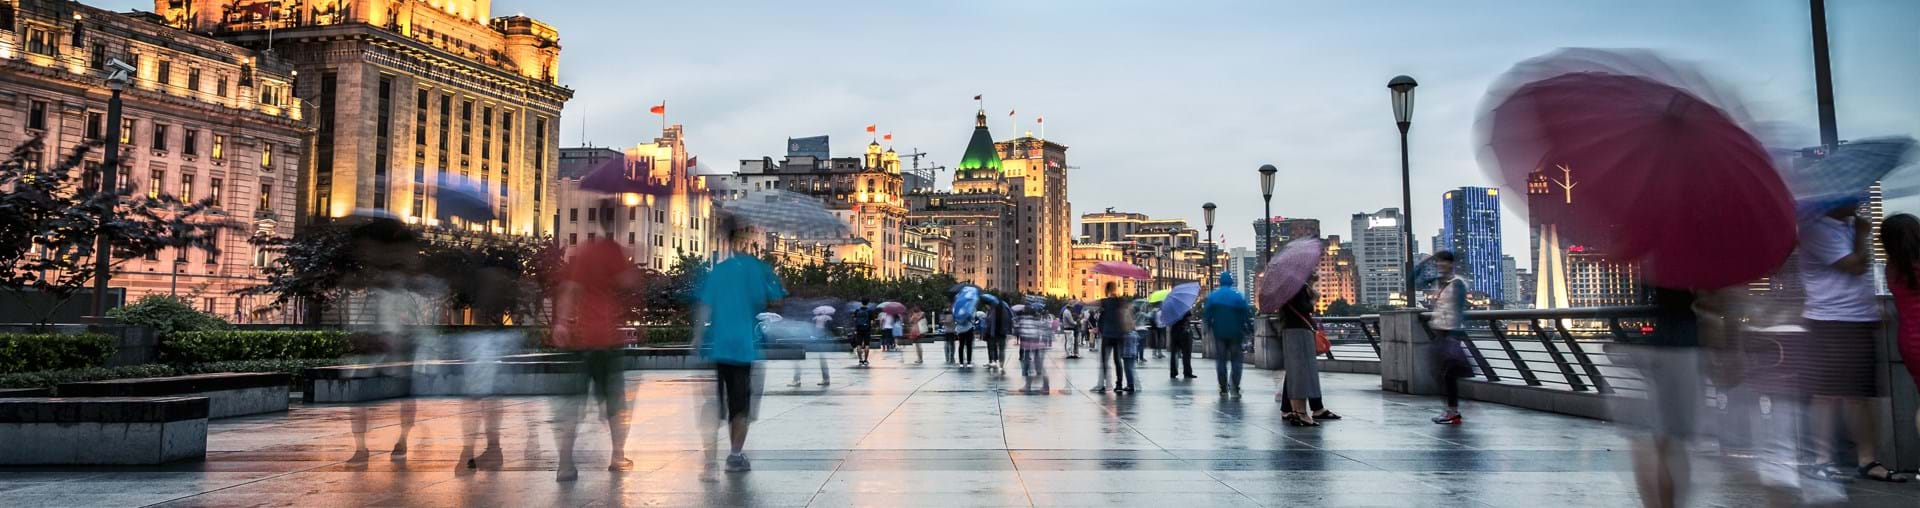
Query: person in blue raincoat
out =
(1228, 318)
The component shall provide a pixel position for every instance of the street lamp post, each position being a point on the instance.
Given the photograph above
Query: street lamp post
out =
(1266, 198)
(173, 288)
(109, 183)
(1207, 213)
(1402, 91)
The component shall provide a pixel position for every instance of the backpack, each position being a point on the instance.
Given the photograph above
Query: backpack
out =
(863, 318)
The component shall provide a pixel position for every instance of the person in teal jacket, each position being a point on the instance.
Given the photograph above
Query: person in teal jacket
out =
(1228, 317)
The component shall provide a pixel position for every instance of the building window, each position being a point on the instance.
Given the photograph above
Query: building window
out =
(186, 187)
(266, 198)
(40, 42)
(190, 144)
(215, 187)
(486, 132)
(630, 237)
(193, 80)
(590, 214)
(97, 55)
(573, 238)
(219, 147)
(220, 86)
(382, 145)
(165, 72)
(37, 115)
(95, 122)
(573, 215)
(506, 140)
(126, 131)
(155, 179)
(466, 127)
(420, 120)
(266, 156)
(159, 137)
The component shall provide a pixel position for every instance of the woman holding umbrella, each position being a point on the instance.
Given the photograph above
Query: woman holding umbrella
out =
(1298, 344)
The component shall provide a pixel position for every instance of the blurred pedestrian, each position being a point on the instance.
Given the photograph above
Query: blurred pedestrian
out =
(1669, 363)
(1228, 317)
(952, 338)
(1035, 339)
(1132, 347)
(734, 292)
(1448, 349)
(404, 304)
(1298, 350)
(1836, 356)
(822, 336)
(1116, 321)
(587, 315)
(862, 338)
(1072, 320)
(1900, 236)
(1180, 345)
(917, 332)
(888, 330)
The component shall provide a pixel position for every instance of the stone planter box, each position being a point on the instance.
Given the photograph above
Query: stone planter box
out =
(228, 394)
(103, 431)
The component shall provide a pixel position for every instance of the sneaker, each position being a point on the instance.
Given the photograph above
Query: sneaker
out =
(1447, 419)
(1223, 391)
(737, 463)
(566, 473)
(1236, 393)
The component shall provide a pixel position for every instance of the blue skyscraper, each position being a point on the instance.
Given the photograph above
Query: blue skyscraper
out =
(1472, 232)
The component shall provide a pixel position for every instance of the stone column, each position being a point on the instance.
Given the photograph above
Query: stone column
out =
(1404, 367)
(1266, 343)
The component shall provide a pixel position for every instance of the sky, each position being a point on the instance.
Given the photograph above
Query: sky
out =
(1168, 105)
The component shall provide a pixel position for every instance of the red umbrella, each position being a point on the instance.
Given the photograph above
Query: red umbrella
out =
(895, 308)
(1655, 163)
(1287, 273)
(1120, 269)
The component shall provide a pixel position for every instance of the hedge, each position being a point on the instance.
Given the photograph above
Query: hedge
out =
(28, 352)
(51, 379)
(235, 345)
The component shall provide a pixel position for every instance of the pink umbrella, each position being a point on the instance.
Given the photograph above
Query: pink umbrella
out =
(895, 308)
(1120, 269)
(1288, 272)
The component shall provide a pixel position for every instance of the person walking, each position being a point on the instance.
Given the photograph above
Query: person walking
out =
(1228, 317)
(587, 316)
(1900, 237)
(1132, 347)
(952, 339)
(1448, 350)
(822, 335)
(888, 333)
(1073, 319)
(1116, 321)
(730, 296)
(917, 332)
(1298, 349)
(978, 327)
(1835, 358)
(1036, 338)
(862, 331)
(1180, 345)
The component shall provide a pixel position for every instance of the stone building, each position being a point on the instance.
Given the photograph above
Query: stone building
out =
(656, 229)
(1035, 171)
(1008, 212)
(407, 94)
(201, 120)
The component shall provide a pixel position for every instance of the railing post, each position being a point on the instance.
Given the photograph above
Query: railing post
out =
(1372, 338)
(1513, 355)
(1600, 383)
(1560, 360)
(1406, 364)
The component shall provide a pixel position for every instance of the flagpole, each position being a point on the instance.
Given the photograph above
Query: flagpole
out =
(663, 117)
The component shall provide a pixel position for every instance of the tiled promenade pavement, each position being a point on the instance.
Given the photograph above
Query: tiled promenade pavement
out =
(900, 434)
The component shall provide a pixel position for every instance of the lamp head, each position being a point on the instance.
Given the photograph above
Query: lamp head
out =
(1266, 179)
(1402, 90)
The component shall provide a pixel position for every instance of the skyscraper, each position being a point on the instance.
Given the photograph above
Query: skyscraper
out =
(1283, 229)
(1379, 254)
(1337, 278)
(1509, 282)
(1472, 231)
(1570, 267)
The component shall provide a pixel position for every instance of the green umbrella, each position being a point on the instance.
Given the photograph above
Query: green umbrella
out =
(1157, 296)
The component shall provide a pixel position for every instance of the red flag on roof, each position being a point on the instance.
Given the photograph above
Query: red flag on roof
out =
(976, 97)
(1010, 112)
(1039, 119)
(658, 109)
(871, 128)
(888, 137)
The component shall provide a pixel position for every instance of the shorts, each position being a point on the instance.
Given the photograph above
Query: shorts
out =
(1675, 395)
(735, 389)
(606, 378)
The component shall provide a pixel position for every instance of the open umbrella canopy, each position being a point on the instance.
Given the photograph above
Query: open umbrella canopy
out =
(1177, 303)
(784, 212)
(1121, 269)
(1654, 156)
(464, 198)
(1157, 296)
(895, 308)
(1287, 273)
(1842, 177)
(824, 310)
(964, 303)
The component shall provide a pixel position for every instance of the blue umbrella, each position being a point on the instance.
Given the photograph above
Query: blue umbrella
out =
(1842, 177)
(964, 303)
(463, 197)
(1178, 303)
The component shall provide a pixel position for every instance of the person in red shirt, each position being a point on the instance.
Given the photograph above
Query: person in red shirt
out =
(588, 311)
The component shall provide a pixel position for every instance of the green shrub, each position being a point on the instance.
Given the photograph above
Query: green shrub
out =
(166, 315)
(666, 335)
(232, 345)
(53, 378)
(26, 352)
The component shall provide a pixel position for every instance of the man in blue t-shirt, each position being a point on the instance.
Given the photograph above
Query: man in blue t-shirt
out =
(736, 291)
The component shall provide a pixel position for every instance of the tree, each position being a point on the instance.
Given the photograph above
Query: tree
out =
(310, 267)
(50, 219)
(1340, 307)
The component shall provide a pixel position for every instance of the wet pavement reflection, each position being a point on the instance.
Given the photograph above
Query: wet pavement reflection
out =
(904, 434)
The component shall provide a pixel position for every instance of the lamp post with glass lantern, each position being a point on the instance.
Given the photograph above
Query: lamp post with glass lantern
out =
(1207, 213)
(1402, 92)
(119, 75)
(1266, 197)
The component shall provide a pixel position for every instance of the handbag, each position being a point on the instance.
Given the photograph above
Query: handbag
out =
(1321, 345)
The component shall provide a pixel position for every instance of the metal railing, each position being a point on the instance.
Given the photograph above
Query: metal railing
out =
(1354, 338)
(1570, 349)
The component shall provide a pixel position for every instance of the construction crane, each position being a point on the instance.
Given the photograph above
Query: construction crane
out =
(925, 174)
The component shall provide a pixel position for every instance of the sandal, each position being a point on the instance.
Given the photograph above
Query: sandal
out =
(1325, 415)
(1885, 476)
(1829, 472)
(1302, 422)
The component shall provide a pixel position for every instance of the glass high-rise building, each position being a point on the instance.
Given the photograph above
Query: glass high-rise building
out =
(1472, 232)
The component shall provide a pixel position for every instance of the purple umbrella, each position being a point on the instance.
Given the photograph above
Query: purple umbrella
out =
(1288, 272)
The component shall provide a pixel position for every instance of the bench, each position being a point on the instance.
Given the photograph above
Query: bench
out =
(7, 393)
(359, 383)
(102, 431)
(228, 394)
